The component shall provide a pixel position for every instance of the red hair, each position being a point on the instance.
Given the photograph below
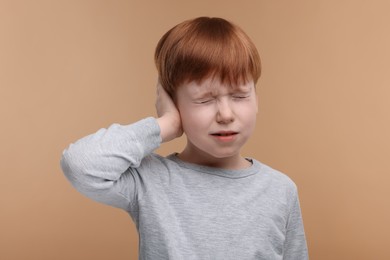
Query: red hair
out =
(196, 49)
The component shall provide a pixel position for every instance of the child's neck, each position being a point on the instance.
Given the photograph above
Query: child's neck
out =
(234, 162)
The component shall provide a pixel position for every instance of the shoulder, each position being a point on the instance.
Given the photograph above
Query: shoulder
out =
(156, 161)
(275, 178)
(157, 168)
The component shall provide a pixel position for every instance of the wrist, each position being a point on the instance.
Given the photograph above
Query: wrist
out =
(170, 128)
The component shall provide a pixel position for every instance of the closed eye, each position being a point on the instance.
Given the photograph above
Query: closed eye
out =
(241, 96)
(204, 101)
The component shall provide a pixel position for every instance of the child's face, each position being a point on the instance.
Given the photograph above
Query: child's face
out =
(216, 118)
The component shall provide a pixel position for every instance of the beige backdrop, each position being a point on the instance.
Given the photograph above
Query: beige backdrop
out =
(68, 68)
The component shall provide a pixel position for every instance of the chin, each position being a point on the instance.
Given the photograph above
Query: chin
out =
(225, 155)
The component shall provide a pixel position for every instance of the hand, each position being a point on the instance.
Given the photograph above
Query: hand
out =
(168, 115)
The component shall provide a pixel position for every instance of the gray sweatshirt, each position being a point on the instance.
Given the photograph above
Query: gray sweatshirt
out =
(185, 211)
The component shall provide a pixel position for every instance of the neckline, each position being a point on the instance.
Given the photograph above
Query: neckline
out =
(226, 173)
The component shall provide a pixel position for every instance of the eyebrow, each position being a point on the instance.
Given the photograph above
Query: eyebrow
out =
(212, 91)
(241, 90)
(206, 94)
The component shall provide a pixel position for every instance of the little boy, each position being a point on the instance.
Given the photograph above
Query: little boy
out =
(206, 202)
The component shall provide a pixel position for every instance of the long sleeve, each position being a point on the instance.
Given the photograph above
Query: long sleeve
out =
(295, 247)
(99, 165)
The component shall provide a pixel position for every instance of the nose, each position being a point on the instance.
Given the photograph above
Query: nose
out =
(225, 112)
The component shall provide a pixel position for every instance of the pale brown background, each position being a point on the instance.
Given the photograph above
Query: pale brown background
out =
(68, 68)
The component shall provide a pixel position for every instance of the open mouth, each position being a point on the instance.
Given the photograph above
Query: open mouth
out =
(224, 134)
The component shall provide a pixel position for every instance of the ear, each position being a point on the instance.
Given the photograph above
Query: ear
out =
(257, 100)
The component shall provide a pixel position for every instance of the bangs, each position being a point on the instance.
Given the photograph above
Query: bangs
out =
(203, 48)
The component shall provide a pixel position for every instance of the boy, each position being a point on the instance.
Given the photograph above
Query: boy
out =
(207, 202)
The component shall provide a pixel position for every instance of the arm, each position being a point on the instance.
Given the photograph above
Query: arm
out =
(97, 165)
(295, 247)
(100, 165)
